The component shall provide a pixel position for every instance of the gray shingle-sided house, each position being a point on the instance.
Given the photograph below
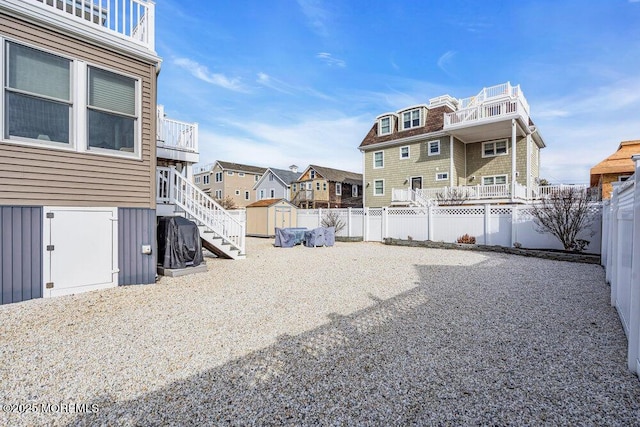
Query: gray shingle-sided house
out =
(276, 183)
(322, 187)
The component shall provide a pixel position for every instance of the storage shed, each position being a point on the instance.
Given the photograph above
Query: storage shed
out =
(265, 215)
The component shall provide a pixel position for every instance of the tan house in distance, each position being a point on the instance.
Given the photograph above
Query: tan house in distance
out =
(225, 179)
(321, 187)
(615, 168)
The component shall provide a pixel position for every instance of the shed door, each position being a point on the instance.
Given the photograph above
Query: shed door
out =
(282, 216)
(80, 250)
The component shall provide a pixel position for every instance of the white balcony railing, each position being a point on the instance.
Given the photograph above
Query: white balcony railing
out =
(176, 135)
(131, 19)
(482, 192)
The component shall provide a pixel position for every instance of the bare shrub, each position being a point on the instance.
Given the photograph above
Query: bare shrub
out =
(332, 219)
(467, 239)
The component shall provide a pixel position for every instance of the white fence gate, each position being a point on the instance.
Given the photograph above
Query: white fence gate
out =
(490, 224)
(621, 258)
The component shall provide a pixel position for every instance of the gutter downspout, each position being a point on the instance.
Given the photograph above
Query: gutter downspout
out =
(513, 160)
(451, 160)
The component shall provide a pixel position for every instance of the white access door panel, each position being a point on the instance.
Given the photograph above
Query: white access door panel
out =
(80, 247)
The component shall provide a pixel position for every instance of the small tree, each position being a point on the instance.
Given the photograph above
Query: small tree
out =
(332, 219)
(452, 197)
(227, 203)
(564, 214)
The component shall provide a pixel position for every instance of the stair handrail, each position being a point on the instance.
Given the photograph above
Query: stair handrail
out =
(420, 199)
(203, 208)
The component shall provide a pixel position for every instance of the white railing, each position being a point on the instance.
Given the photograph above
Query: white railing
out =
(482, 192)
(132, 19)
(621, 258)
(175, 188)
(177, 135)
(485, 111)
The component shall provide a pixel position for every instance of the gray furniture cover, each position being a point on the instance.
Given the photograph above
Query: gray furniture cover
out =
(330, 236)
(179, 243)
(284, 238)
(321, 236)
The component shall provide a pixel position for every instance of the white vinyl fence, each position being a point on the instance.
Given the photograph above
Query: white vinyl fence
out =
(621, 258)
(490, 224)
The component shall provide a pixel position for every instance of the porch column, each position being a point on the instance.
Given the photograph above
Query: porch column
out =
(513, 159)
(451, 161)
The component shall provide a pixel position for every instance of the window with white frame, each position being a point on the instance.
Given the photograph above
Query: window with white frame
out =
(261, 195)
(294, 187)
(404, 152)
(111, 117)
(205, 179)
(39, 103)
(270, 177)
(240, 173)
(237, 192)
(378, 159)
(230, 173)
(354, 191)
(312, 174)
(256, 178)
(197, 179)
(433, 148)
(494, 148)
(218, 194)
(494, 180)
(324, 186)
(442, 176)
(247, 196)
(309, 185)
(411, 119)
(318, 186)
(272, 193)
(218, 176)
(338, 189)
(378, 187)
(385, 125)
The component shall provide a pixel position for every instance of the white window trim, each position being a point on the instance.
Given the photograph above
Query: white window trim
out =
(247, 195)
(78, 131)
(354, 190)
(420, 118)
(506, 179)
(495, 154)
(312, 174)
(380, 132)
(444, 176)
(218, 176)
(197, 179)
(374, 160)
(429, 153)
(338, 189)
(261, 195)
(230, 173)
(237, 192)
(240, 173)
(272, 193)
(374, 187)
(408, 147)
(205, 180)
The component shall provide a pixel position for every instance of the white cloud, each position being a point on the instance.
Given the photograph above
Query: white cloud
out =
(330, 60)
(267, 81)
(202, 72)
(316, 14)
(445, 60)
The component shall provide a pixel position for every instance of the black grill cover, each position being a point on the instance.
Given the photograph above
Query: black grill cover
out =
(178, 242)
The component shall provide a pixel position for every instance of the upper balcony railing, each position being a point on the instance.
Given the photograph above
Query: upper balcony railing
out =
(176, 135)
(130, 19)
(490, 103)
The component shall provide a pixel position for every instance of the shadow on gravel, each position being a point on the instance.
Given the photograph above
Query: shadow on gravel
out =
(511, 350)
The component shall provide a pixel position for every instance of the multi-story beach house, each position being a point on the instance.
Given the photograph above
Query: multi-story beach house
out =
(221, 180)
(484, 147)
(276, 183)
(618, 167)
(322, 187)
(87, 158)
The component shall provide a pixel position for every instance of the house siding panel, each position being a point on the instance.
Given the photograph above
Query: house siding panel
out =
(136, 227)
(459, 163)
(20, 253)
(47, 176)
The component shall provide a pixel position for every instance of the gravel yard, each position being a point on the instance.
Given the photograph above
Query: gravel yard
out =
(360, 333)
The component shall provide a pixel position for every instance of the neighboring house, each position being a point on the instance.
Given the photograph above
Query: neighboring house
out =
(321, 187)
(482, 147)
(615, 168)
(276, 183)
(88, 158)
(225, 179)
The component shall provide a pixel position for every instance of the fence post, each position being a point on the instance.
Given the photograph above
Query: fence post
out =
(430, 224)
(514, 224)
(634, 318)
(319, 217)
(613, 264)
(365, 224)
(487, 224)
(385, 223)
(348, 222)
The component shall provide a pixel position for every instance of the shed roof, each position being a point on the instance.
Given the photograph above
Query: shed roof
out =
(267, 202)
(620, 161)
(337, 175)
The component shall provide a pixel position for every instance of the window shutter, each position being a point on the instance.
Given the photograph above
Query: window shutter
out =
(112, 92)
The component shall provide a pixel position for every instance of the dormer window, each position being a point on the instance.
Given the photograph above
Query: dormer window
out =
(312, 174)
(385, 125)
(411, 119)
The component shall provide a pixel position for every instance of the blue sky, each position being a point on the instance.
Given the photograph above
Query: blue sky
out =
(281, 82)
